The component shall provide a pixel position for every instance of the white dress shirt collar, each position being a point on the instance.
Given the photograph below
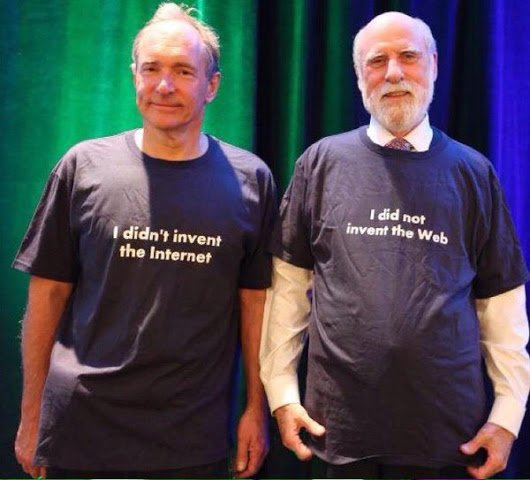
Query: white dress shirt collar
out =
(420, 137)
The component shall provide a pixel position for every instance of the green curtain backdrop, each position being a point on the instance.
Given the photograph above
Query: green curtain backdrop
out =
(65, 77)
(287, 81)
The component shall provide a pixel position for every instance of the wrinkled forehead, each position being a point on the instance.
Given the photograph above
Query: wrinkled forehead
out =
(167, 38)
(391, 36)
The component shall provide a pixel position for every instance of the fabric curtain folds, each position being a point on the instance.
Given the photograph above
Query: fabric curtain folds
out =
(287, 81)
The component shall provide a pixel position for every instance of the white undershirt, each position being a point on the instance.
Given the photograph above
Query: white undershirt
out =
(503, 327)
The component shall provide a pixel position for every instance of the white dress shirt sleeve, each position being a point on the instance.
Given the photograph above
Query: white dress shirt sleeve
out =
(284, 332)
(503, 337)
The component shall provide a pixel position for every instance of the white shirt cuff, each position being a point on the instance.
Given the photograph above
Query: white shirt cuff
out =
(508, 413)
(282, 390)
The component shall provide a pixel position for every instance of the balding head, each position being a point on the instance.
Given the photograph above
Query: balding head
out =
(383, 22)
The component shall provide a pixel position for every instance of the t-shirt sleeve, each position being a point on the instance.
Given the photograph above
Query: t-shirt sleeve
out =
(500, 262)
(256, 266)
(49, 248)
(291, 237)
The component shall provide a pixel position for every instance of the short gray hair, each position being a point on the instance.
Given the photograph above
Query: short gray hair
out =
(425, 30)
(171, 11)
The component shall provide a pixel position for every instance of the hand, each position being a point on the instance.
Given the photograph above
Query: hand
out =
(291, 419)
(497, 442)
(25, 446)
(252, 442)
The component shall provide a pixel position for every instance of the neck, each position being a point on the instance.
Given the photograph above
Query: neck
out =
(402, 133)
(171, 145)
(405, 130)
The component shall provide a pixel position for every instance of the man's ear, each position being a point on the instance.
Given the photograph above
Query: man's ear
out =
(435, 66)
(360, 83)
(133, 71)
(213, 86)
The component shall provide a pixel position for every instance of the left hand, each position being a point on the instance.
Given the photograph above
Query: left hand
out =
(252, 442)
(497, 442)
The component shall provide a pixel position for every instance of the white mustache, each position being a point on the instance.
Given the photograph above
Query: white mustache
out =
(403, 86)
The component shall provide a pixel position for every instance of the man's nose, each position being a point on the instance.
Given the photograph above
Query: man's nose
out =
(165, 85)
(394, 73)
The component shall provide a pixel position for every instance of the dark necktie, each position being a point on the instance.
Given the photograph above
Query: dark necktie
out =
(400, 144)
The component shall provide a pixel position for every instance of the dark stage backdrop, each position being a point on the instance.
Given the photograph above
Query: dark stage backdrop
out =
(287, 81)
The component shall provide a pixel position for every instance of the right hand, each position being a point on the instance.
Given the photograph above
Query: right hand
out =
(291, 419)
(25, 446)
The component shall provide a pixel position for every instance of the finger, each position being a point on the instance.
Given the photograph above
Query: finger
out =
(313, 427)
(494, 463)
(484, 471)
(291, 440)
(26, 463)
(33, 471)
(244, 474)
(26, 466)
(43, 472)
(254, 463)
(241, 460)
(473, 471)
(473, 445)
(258, 457)
(302, 451)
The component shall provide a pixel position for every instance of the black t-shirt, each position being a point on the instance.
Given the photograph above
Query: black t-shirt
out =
(401, 244)
(140, 374)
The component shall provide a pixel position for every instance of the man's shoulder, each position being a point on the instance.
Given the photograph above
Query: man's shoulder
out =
(341, 140)
(464, 154)
(99, 149)
(109, 141)
(332, 149)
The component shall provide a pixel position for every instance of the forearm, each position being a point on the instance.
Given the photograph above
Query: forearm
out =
(46, 302)
(252, 304)
(285, 324)
(504, 335)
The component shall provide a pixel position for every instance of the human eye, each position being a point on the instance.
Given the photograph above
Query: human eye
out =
(377, 61)
(149, 68)
(184, 71)
(410, 56)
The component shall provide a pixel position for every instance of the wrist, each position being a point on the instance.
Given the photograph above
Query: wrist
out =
(283, 408)
(256, 405)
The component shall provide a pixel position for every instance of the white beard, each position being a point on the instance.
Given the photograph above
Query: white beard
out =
(402, 115)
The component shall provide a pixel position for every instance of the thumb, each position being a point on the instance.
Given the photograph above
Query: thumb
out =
(472, 446)
(313, 427)
(241, 460)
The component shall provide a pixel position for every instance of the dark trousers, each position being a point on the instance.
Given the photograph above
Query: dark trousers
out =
(220, 469)
(373, 469)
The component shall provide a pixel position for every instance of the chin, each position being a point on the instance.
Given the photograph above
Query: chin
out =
(164, 123)
(402, 118)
